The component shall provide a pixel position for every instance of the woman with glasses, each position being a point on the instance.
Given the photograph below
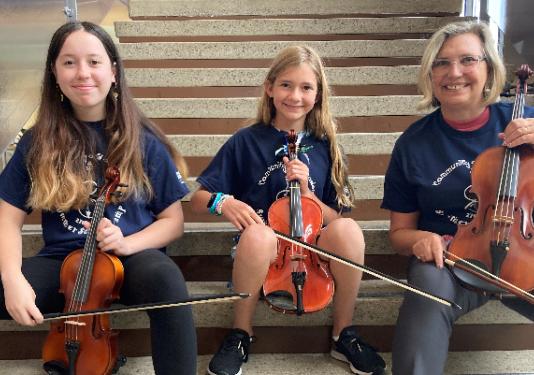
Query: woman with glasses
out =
(427, 184)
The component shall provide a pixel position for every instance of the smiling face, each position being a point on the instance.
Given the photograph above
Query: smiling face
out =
(294, 93)
(459, 89)
(84, 74)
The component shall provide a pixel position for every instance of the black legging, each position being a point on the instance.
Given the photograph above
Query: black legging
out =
(149, 276)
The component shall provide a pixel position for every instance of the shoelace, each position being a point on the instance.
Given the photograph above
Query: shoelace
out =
(232, 344)
(360, 345)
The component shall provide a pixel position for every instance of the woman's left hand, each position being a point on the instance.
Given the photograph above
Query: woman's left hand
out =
(297, 170)
(519, 131)
(110, 238)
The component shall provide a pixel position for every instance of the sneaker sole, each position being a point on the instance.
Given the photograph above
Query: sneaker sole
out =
(212, 373)
(340, 357)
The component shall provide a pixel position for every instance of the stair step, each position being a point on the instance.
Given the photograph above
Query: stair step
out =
(378, 305)
(367, 187)
(459, 363)
(341, 106)
(254, 77)
(215, 239)
(268, 49)
(279, 27)
(207, 8)
(208, 145)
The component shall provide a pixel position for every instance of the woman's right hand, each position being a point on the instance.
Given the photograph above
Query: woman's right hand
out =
(240, 214)
(429, 248)
(20, 300)
(408, 240)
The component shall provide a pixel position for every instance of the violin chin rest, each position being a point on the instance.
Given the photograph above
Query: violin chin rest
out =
(282, 300)
(55, 368)
(59, 368)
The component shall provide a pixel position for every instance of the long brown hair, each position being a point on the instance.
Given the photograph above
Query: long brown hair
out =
(319, 121)
(63, 181)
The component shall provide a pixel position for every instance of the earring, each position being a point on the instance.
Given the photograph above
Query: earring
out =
(114, 91)
(61, 98)
(485, 92)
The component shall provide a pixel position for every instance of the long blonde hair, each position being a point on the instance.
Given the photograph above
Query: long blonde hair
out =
(319, 121)
(60, 142)
(496, 71)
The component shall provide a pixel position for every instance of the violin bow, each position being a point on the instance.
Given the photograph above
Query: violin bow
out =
(487, 276)
(211, 298)
(366, 269)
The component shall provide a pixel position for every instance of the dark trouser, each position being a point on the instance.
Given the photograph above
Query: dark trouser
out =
(421, 341)
(149, 276)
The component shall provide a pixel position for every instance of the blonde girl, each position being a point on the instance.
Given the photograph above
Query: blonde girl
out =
(251, 171)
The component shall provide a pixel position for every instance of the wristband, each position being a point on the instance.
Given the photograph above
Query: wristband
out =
(215, 201)
(212, 198)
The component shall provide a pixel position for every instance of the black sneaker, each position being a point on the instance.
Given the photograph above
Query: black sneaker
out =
(231, 354)
(362, 357)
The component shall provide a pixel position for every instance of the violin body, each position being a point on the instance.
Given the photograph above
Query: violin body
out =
(298, 281)
(89, 279)
(319, 286)
(98, 350)
(507, 224)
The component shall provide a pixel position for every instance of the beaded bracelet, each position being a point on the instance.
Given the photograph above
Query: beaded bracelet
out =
(218, 208)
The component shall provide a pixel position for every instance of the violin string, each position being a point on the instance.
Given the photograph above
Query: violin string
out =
(509, 198)
(520, 114)
(295, 200)
(490, 275)
(87, 257)
(81, 283)
(510, 154)
(499, 207)
(505, 205)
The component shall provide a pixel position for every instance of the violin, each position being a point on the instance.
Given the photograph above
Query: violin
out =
(298, 281)
(494, 253)
(89, 279)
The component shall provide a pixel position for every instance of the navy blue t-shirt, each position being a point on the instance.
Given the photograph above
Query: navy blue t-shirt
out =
(249, 166)
(430, 169)
(63, 232)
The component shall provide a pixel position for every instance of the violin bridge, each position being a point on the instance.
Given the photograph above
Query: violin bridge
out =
(75, 323)
(503, 219)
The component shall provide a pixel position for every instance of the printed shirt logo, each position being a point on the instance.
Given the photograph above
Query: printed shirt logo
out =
(471, 204)
(280, 152)
(450, 169)
(92, 162)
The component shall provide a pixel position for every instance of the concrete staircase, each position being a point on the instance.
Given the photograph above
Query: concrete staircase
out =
(196, 67)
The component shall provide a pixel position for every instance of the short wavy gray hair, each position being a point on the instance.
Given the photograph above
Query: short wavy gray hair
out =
(496, 71)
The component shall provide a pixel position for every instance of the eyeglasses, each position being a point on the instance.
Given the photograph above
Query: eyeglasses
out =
(466, 64)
